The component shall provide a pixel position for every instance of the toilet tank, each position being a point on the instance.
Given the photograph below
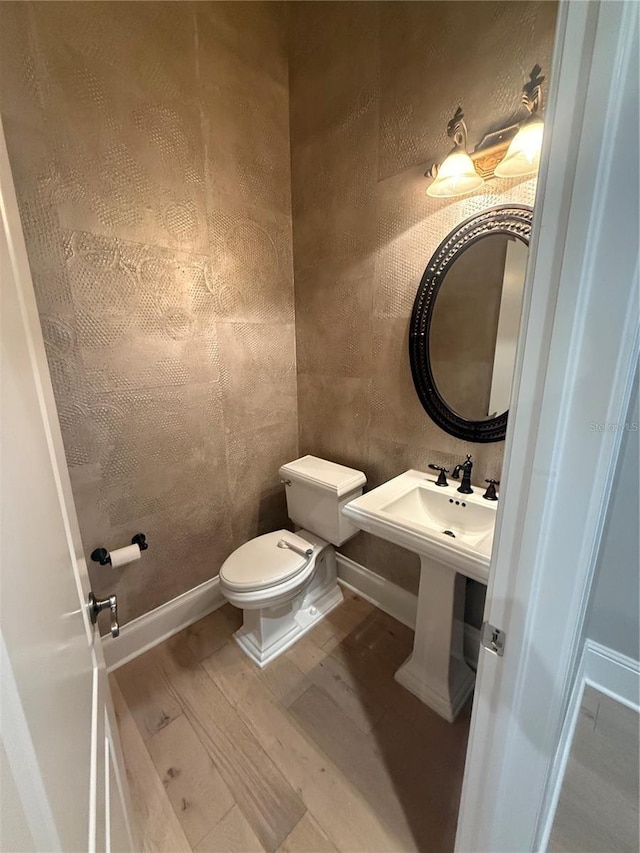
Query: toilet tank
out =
(316, 492)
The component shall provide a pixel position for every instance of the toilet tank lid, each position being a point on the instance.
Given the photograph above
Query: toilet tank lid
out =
(328, 475)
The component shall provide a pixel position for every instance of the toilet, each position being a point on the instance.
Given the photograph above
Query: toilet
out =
(286, 582)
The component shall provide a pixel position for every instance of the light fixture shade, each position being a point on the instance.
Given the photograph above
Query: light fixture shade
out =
(456, 176)
(523, 155)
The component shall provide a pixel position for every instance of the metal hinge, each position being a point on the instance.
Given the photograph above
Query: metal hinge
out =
(493, 639)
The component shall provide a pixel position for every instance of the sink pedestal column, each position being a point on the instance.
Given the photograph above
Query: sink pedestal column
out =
(436, 671)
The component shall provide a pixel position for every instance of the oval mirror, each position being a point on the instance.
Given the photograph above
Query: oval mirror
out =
(465, 322)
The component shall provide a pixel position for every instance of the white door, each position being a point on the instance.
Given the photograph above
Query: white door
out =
(62, 771)
(576, 360)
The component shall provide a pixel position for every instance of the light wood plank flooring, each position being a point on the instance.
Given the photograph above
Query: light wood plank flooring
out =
(598, 806)
(320, 751)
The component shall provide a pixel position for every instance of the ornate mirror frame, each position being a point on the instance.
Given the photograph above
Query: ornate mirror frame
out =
(504, 219)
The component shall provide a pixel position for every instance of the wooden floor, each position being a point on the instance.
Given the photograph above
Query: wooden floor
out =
(598, 806)
(320, 751)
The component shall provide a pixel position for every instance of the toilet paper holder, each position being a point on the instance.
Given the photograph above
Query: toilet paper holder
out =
(101, 555)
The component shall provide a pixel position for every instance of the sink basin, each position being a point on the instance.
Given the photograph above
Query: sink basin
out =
(453, 535)
(435, 521)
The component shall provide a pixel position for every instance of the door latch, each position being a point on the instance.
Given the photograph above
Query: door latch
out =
(493, 639)
(96, 607)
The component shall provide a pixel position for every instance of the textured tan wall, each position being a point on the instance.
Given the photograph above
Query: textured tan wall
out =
(372, 87)
(150, 149)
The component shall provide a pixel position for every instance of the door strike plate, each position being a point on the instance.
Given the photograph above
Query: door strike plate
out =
(493, 639)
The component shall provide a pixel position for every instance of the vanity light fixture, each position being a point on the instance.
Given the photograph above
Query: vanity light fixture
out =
(457, 174)
(511, 152)
(523, 155)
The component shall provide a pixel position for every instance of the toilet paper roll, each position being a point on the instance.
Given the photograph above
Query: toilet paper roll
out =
(122, 556)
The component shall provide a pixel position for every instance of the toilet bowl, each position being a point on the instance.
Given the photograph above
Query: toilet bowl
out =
(286, 582)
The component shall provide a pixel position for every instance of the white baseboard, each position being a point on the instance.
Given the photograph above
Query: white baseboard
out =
(387, 596)
(609, 672)
(145, 632)
(395, 601)
(150, 629)
(612, 673)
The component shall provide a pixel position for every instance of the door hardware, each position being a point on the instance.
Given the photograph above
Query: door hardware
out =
(96, 607)
(493, 639)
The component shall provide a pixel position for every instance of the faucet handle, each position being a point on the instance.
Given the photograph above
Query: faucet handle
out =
(490, 494)
(442, 480)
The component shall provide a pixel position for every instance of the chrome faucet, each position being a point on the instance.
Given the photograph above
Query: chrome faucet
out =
(466, 466)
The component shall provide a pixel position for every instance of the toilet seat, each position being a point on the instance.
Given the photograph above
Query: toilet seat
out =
(261, 563)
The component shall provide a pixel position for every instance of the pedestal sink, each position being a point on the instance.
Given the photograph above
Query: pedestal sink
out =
(453, 535)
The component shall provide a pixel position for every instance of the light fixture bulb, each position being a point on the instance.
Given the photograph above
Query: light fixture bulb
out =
(523, 155)
(456, 176)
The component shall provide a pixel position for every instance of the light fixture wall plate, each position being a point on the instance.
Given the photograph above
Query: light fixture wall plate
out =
(491, 150)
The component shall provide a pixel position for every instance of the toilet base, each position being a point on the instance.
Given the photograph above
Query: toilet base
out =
(269, 632)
